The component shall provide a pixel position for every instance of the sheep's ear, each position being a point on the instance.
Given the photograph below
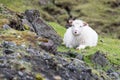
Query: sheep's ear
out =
(70, 21)
(85, 24)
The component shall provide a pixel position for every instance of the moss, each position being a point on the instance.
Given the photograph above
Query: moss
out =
(47, 16)
(65, 2)
(18, 37)
(61, 19)
(26, 27)
(38, 76)
(3, 21)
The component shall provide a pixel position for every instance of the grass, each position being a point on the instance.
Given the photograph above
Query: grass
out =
(110, 47)
(20, 5)
(58, 28)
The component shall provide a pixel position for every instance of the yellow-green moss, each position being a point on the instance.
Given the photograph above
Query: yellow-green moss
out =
(38, 76)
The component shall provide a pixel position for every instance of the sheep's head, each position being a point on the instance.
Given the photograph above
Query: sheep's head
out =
(77, 26)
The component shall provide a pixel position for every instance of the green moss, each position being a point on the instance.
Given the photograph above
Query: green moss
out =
(26, 27)
(38, 76)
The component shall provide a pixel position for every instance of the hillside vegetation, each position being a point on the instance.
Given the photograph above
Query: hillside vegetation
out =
(103, 16)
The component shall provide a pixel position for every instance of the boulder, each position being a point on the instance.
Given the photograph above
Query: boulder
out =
(41, 27)
(99, 59)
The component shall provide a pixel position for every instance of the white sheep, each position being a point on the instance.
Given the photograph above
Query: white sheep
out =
(80, 35)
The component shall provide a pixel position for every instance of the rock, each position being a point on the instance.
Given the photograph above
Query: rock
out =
(7, 44)
(8, 51)
(114, 75)
(8, 73)
(24, 76)
(16, 24)
(77, 64)
(41, 28)
(99, 59)
(20, 73)
(85, 75)
(31, 15)
(6, 27)
(57, 78)
(80, 57)
(48, 46)
(71, 54)
(31, 51)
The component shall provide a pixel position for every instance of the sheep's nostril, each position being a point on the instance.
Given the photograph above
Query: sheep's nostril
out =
(75, 32)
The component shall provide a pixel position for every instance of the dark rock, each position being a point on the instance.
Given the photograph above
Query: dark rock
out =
(16, 24)
(31, 15)
(71, 54)
(77, 64)
(74, 55)
(86, 74)
(68, 69)
(80, 57)
(100, 59)
(41, 28)
(6, 27)
(48, 46)
(110, 70)
(8, 51)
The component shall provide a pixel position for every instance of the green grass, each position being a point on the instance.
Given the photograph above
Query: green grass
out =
(58, 28)
(20, 5)
(110, 47)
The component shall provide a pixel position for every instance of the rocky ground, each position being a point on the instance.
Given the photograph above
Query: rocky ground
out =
(28, 51)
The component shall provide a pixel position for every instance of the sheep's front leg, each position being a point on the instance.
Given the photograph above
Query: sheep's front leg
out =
(81, 47)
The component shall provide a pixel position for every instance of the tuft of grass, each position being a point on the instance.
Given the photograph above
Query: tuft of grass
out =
(18, 37)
